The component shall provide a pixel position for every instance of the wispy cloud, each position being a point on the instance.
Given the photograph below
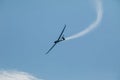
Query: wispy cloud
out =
(16, 75)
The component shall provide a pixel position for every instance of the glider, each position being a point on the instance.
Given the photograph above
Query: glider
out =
(60, 38)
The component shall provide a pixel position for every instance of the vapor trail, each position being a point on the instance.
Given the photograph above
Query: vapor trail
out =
(93, 25)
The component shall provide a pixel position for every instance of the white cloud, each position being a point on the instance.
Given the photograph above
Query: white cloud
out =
(16, 75)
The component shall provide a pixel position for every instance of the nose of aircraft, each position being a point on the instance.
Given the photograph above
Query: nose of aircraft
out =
(55, 41)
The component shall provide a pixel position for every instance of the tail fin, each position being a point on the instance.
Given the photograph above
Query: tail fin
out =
(63, 38)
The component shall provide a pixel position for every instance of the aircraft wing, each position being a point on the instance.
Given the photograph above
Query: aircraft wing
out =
(62, 32)
(50, 48)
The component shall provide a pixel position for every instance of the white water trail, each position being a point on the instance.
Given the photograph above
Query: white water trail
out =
(99, 10)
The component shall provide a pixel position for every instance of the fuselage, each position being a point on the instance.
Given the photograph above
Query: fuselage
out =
(62, 39)
(58, 41)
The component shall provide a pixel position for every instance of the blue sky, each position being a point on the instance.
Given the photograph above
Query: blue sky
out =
(28, 29)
